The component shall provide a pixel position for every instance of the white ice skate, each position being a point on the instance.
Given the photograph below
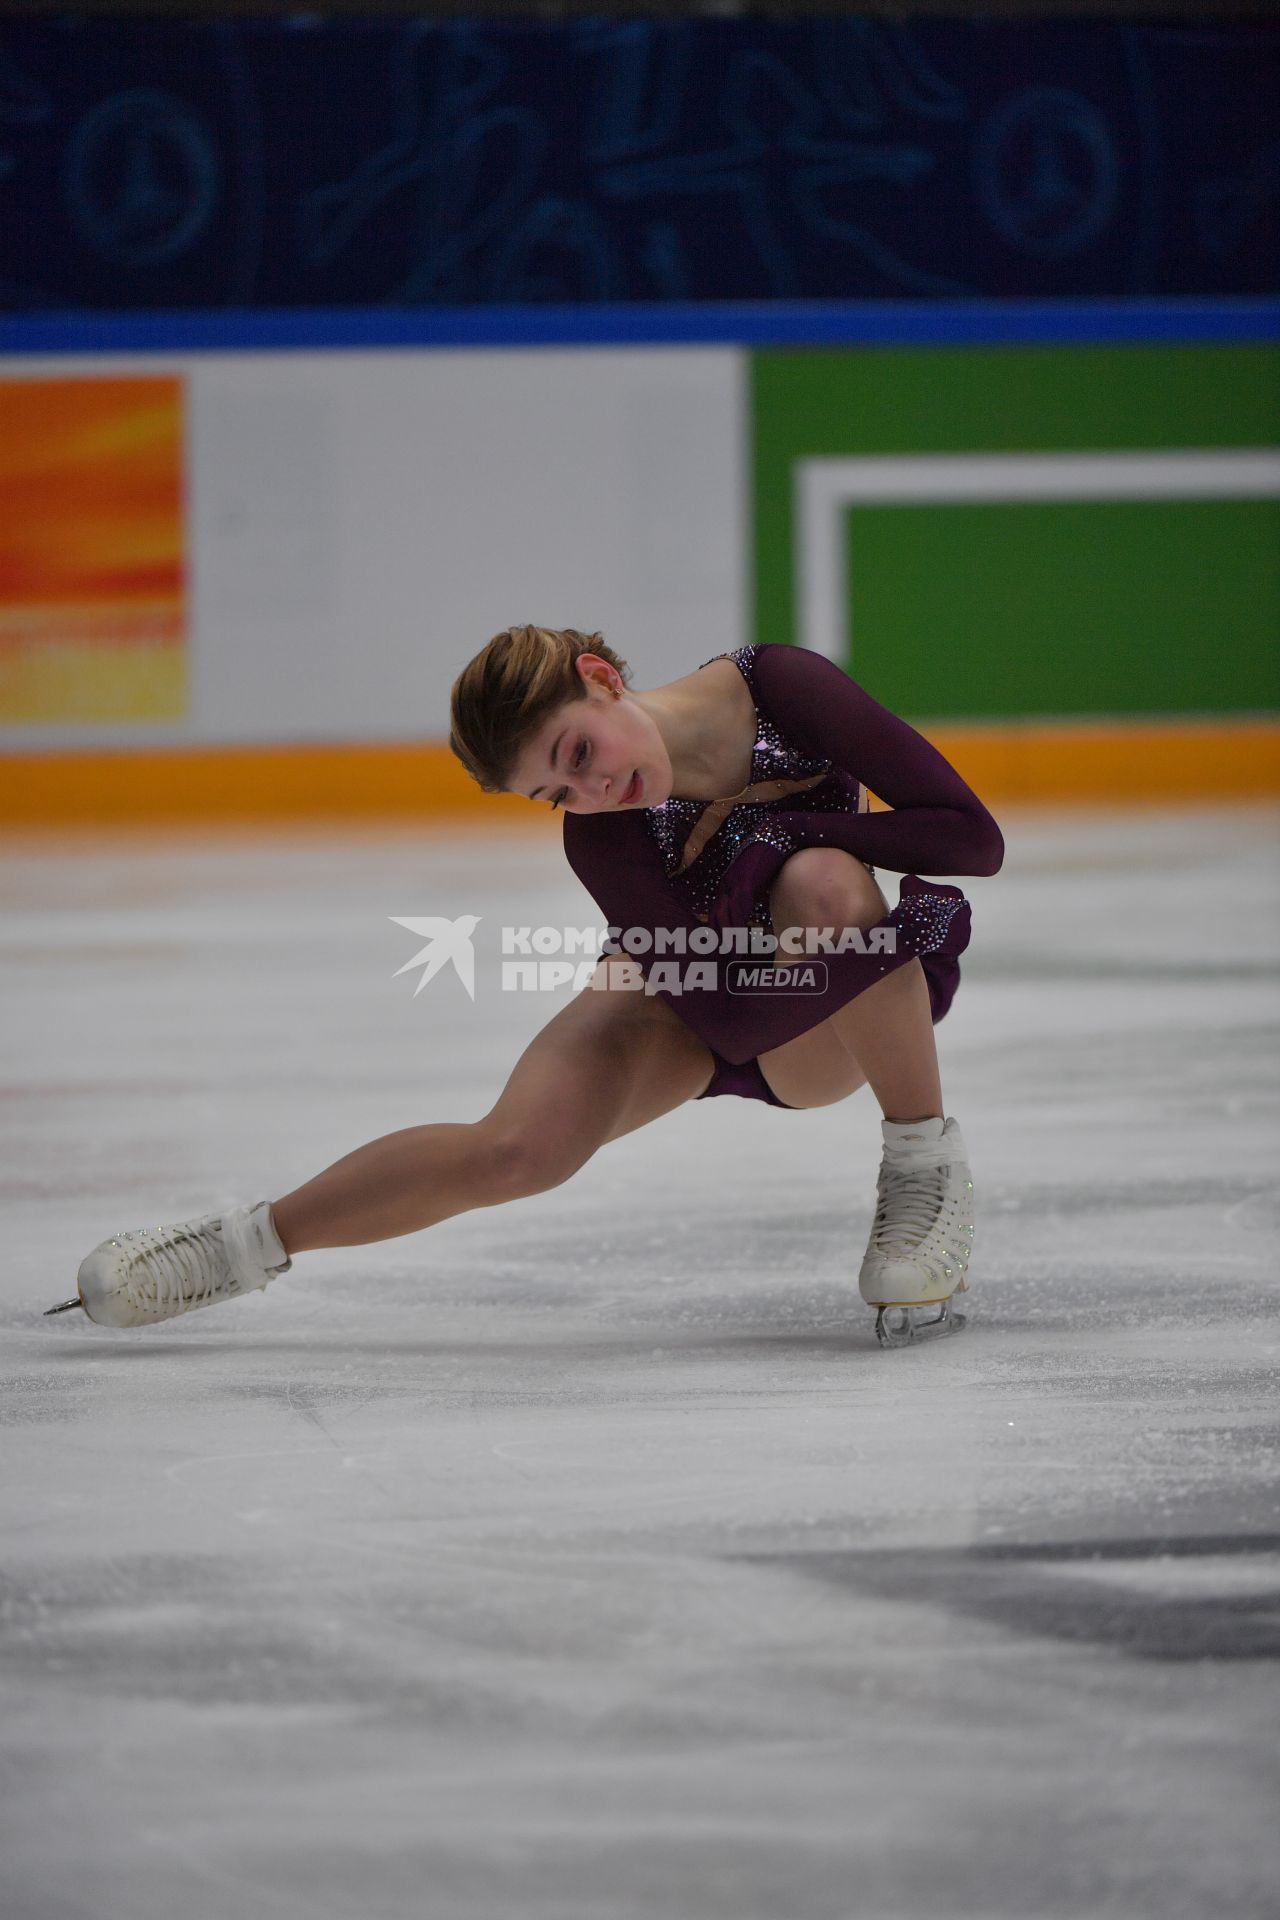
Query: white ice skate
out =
(922, 1235)
(154, 1273)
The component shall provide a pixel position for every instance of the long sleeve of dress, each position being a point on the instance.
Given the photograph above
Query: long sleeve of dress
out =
(938, 825)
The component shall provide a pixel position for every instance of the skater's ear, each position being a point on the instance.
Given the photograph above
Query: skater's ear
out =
(593, 670)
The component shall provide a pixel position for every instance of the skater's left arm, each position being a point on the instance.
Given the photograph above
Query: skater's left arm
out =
(938, 824)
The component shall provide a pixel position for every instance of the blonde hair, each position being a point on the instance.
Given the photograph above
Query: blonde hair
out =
(503, 696)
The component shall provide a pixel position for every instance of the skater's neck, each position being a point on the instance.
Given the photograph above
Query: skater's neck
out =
(708, 725)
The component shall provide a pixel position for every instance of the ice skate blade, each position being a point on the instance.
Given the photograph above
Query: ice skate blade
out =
(65, 1306)
(902, 1326)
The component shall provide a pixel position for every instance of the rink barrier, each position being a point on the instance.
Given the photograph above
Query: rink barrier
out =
(1053, 762)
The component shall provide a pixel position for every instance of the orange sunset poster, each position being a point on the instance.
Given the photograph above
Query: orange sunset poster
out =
(93, 614)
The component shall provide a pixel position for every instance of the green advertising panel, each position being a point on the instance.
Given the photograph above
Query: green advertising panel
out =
(1061, 531)
(1066, 607)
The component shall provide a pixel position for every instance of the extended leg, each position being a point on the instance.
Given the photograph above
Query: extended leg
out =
(608, 1062)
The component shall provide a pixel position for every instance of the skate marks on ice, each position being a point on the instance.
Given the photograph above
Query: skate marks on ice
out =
(47, 1397)
(215, 1631)
(1202, 1597)
(1106, 1061)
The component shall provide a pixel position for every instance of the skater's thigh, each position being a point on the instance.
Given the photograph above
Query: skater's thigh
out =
(814, 1070)
(611, 1061)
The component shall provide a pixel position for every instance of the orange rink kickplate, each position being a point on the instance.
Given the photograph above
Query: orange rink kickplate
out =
(1035, 763)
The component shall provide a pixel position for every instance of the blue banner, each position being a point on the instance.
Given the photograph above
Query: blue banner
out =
(344, 164)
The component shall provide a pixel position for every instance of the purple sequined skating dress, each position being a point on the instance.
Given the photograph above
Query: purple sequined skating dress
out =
(821, 743)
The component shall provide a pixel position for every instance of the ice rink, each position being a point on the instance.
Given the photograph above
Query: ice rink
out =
(585, 1558)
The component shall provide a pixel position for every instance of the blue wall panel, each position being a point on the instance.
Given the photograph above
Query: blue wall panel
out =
(370, 164)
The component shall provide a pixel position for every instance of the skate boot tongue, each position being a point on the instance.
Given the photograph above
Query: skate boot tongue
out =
(911, 1139)
(253, 1246)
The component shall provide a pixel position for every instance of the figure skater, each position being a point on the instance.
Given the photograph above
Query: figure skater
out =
(725, 808)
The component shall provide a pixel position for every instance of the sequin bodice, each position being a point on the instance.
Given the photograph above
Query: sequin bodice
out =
(756, 820)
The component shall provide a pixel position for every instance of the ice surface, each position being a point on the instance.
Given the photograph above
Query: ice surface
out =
(585, 1559)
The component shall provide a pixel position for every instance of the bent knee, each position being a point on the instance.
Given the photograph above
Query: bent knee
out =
(825, 887)
(521, 1162)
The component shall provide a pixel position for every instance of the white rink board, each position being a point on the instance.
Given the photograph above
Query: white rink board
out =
(361, 523)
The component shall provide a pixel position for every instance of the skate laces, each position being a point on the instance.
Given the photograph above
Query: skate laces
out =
(184, 1268)
(909, 1204)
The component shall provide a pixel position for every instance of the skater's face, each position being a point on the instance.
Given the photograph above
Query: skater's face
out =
(600, 754)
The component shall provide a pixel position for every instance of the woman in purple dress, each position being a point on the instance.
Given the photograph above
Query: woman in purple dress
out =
(709, 818)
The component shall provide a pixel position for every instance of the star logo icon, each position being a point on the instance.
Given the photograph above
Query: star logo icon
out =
(447, 940)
